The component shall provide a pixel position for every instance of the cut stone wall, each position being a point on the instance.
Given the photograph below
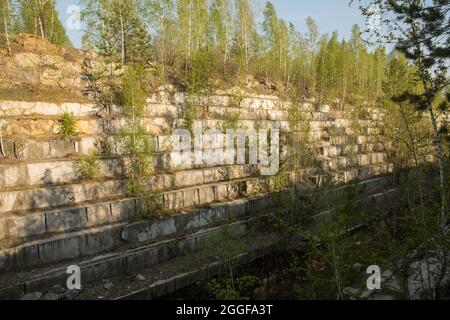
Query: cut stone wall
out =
(42, 197)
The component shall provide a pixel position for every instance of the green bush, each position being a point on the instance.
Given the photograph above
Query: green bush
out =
(198, 73)
(67, 126)
(87, 166)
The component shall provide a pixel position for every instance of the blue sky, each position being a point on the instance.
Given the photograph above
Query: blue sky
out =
(330, 15)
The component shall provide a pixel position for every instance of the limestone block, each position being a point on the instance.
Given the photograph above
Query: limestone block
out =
(96, 242)
(164, 143)
(188, 178)
(65, 220)
(324, 108)
(331, 151)
(191, 197)
(206, 194)
(364, 159)
(198, 219)
(86, 144)
(161, 110)
(214, 174)
(237, 208)
(174, 200)
(22, 108)
(18, 226)
(123, 210)
(66, 246)
(221, 192)
(98, 214)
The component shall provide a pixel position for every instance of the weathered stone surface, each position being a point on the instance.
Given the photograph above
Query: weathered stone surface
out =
(61, 247)
(23, 108)
(71, 219)
(18, 226)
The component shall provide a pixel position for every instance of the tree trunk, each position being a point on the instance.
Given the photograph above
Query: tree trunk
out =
(440, 154)
(40, 13)
(5, 24)
(122, 35)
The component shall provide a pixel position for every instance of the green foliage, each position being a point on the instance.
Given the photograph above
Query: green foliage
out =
(87, 166)
(196, 42)
(196, 76)
(300, 152)
(241, 290)
(67, 126)
(9, 23)
(134, 91)
(192, 111)
(40, 17)
(230, 120)
(225, 246)
(149, 206)
(412, 234)
(116, 29)
(134, 136)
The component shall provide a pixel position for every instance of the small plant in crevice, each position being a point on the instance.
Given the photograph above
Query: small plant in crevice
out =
(87, 166)
(230, 120)
(191, 112)
(150, 206)
(67, 126)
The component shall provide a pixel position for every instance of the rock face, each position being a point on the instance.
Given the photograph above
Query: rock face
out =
(49, 215)
(38, 65)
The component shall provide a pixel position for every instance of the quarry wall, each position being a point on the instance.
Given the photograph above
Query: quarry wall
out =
(49, 214)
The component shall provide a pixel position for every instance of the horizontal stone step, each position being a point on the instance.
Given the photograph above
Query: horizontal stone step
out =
(342, 162)
(363, 173)
(24, 108)
(26, 225)
(54, 196)
(122, 262)
(348, 150)
(61, 247)
(20, 227)
(28, 127)
(133, 260)
(94, 241)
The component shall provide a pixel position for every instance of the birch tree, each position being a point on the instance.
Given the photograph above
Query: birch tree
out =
(40, 17)
(8, 23)
(245, 28)
(116, 27)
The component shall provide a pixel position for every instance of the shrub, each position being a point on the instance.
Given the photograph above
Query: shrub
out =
(67, 126)
(87, 166)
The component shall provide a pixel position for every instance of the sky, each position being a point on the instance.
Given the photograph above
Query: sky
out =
(330, 15)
